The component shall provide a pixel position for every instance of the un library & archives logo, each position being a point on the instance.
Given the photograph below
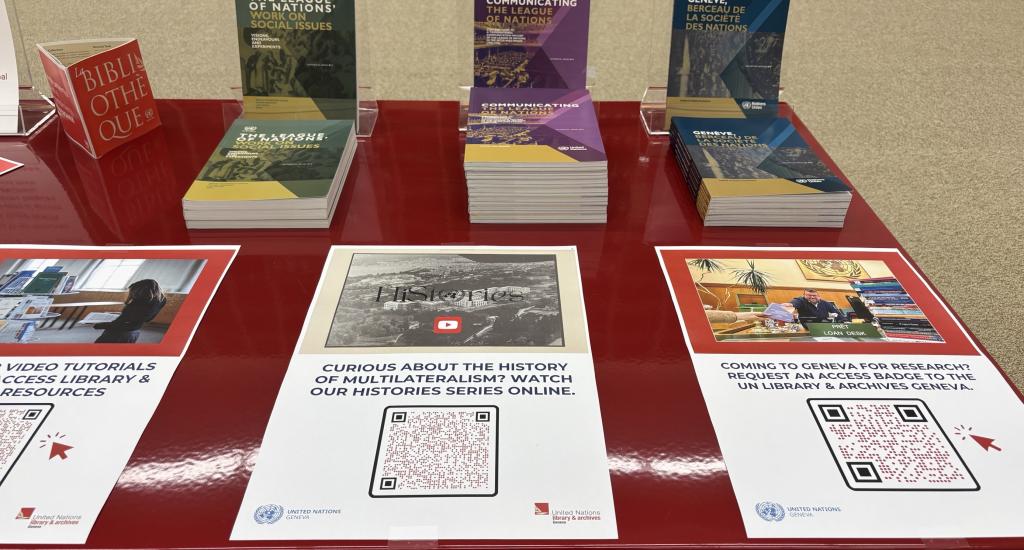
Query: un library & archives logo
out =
(770, 511)
(268, 513)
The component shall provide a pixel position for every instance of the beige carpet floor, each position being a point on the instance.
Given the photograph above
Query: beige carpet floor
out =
(921, 103)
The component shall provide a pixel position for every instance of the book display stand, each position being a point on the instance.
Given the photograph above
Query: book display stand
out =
(34, 109)
(653, 101)
(366, 96)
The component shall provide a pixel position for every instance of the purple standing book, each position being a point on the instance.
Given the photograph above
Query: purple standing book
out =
(532, 126)
(530, 43)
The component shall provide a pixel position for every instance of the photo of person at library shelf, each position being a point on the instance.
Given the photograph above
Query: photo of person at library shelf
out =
(807, 301)
(85, 301)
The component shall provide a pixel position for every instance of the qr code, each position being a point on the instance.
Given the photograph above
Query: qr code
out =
(890, 445)
(427, 451)
(19, 423)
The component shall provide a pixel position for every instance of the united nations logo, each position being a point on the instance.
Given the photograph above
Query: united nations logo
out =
(745, 105)
(770, 511)
(268, 513)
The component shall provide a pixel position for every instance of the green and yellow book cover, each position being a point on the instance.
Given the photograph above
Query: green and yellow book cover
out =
(298, 58)
(273, 160)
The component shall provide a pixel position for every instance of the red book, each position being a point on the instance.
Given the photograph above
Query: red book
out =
(101, 91)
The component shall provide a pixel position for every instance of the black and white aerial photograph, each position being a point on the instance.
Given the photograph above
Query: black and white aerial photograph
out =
(438, 300)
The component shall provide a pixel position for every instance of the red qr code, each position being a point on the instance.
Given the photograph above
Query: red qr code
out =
(890, 444)
(437, 451)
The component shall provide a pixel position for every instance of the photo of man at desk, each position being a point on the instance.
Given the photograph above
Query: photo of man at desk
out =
(771, 299)
(92, 300)
(811, 308)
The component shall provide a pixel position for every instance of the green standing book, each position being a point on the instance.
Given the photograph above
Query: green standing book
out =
(44, 283)
(298, 59)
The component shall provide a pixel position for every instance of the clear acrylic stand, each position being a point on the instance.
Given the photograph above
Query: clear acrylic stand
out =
(34, 109)
(366, 98)
(654, 103)
(653, 107)
(367, 109)
(464, 32)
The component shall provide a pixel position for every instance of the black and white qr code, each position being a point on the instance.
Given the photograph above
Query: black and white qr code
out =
(427, 451)
(19, 424)
(890, 445)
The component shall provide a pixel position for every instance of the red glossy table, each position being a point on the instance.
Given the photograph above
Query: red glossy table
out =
(183, 485)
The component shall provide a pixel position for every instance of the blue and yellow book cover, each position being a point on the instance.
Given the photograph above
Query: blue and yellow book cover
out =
(754, 157)
(725, 59)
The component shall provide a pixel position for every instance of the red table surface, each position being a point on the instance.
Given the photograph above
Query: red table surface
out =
(183, 485)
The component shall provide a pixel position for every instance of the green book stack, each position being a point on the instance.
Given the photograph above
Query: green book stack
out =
(273, 173)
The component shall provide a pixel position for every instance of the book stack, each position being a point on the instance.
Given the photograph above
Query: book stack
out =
(894, 310)
(273, 173)
(535, 155)
(756, 172)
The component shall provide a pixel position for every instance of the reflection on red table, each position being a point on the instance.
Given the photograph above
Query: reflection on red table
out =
(183, 486)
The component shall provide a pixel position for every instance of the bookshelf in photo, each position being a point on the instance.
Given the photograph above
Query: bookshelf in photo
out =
(893, 310)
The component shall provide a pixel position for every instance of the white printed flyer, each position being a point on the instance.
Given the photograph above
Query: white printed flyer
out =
(847, 399)
(437, 393)
(75, 397)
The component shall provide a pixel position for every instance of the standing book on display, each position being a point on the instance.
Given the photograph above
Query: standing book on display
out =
(530, 43)
(725, 59)
(15, 284)
(47, 282)
(298, 59)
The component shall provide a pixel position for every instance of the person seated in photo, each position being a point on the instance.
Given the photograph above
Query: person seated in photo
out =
(812, 309)
(145, 300)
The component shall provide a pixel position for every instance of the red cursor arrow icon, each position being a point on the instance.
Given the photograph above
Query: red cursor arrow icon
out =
(60, 449)
(985, 442)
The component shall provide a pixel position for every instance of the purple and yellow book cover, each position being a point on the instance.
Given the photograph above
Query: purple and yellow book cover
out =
(530, 43)
(532, 126)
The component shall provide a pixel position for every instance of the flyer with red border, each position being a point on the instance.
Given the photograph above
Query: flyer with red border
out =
(89, 339)
(848, 400)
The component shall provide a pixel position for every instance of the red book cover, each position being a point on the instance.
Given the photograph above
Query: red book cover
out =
(101, 91)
